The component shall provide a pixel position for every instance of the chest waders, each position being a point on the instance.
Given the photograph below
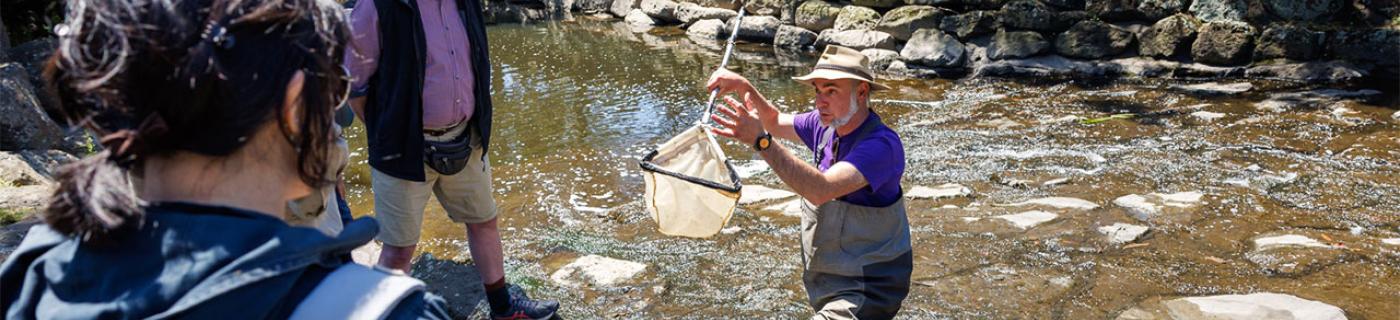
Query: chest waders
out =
(856, 260)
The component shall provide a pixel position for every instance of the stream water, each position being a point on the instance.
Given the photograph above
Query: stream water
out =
(578, 103)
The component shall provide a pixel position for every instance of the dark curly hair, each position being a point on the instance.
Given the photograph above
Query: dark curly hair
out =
(154, 77)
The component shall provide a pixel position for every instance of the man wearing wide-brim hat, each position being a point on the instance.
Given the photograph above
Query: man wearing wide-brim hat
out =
(855, 236)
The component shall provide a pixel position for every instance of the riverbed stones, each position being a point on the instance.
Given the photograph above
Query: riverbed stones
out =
(947, 190)
(592, 6)
(1261, 305)
(1016, 44)
(1289, 42)
(1207, 116)
(26, 198)
(933, 48)
(881, 59)
(755, 194)
(1170, 37)
(1391, 241)
(24, 125)
(1219, 10)
(756, 28)
(1120, 233)
(856, 18)
(31, 167)
(1214, 88)
(1223, 43)
(689, 13)
(598, 271)
(794, 38)
(856, 39)
(791, 208)
(817, 15)
(660, 10)
(1093, 40)
(971, 24)
(1028, 219)
(639, 21)
(708, 29)
(903, 21)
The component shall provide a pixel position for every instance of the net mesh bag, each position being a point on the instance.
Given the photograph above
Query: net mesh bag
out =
(691, 188)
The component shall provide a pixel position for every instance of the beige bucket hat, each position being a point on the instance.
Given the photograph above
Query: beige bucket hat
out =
(839, 62)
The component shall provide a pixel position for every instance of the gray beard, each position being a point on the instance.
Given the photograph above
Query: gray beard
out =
(843, 120)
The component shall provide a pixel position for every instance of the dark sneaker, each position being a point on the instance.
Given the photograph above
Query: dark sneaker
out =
(522, 307)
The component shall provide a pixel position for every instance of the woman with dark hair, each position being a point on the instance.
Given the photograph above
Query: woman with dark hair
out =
(221, 109)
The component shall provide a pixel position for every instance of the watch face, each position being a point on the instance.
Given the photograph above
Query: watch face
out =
(763, 142)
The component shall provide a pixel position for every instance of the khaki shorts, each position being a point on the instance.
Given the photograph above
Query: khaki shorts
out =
(466, 196)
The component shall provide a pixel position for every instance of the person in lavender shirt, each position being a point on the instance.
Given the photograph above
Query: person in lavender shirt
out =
(856, 254)
(420, 80)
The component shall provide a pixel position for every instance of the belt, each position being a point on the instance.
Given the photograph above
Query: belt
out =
(442, 131)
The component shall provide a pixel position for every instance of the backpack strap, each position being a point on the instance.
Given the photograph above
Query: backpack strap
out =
(354, 291)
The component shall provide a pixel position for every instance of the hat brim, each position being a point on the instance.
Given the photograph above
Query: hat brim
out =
(828, 74)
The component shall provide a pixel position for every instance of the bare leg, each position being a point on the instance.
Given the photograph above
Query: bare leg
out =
(398, 258)
(485, 241)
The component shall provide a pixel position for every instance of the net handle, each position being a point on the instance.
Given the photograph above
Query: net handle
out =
(728, 51)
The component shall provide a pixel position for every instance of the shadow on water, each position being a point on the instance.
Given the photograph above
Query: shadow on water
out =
(579, 102)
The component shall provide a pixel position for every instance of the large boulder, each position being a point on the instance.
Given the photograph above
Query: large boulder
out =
(971, 24)
(1033, 15)
(32, 55)
(939, 3)
(882, 4)
(856, 18)
(933, 48)
(31, 167)
(4, 43)
(1016, 44)
(1169, 37)
(1066, 4)
(765, 7)
(689, 13)
(856, 39)
(1289, 42)
(817, 15)
(621, 8)
(24, 124)
(592, 6)
(794, 38)
(880, 59)
(903, 21)
(1219, 10)
(756, 28)
(708, 29)
(660, 10)
(1093, 40)
(1158, 9)
(1223, 43)
(1368, 46)
(1112, 10)
(1304, 10)
(639, 21)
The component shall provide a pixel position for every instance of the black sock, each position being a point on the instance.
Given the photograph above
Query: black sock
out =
(498, 296)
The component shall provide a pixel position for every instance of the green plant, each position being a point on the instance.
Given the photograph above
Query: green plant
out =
(9, 216)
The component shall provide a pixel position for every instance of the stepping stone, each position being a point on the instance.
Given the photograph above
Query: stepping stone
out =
(950, 190)
(1028, 219)
(1056, 202)
(1120, 233)
(597, 270)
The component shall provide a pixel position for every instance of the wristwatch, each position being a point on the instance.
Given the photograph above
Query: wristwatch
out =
(764, 141)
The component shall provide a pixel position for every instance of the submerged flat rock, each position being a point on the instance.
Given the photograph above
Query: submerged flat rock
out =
(950, 190)
(1120, 233)
(1056, 202)
(1253, 306)
(597, 270)
(1028, 219)
(752, 194)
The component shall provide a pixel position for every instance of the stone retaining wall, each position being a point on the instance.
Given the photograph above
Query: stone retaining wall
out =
(1315, 41)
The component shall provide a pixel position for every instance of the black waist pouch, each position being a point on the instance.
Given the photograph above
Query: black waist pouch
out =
(448, 157)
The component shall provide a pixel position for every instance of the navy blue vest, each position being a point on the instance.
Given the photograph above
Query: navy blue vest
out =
(394, 106)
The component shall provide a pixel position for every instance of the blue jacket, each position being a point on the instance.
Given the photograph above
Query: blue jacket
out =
(185, 261)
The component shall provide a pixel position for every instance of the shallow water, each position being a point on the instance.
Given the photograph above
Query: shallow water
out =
(579, 103)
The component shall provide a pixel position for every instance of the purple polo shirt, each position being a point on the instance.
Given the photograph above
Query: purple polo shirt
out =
(447, 74)
(878, 155)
